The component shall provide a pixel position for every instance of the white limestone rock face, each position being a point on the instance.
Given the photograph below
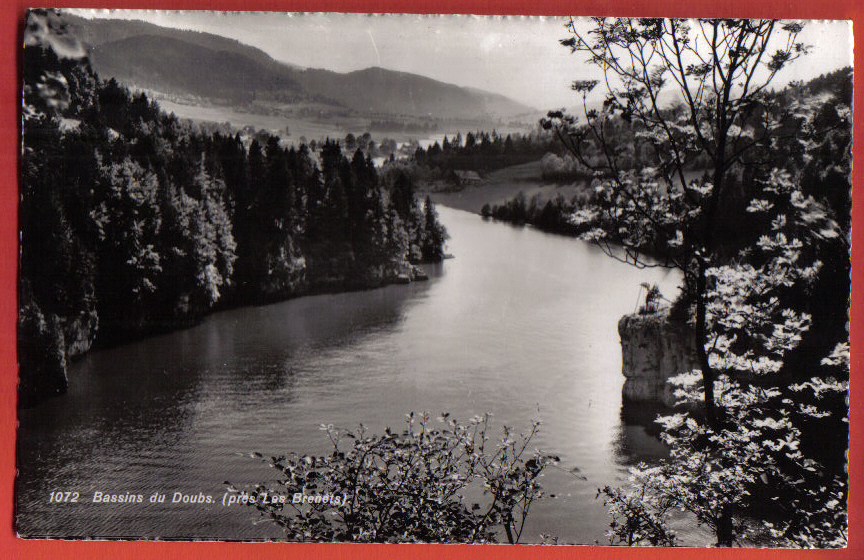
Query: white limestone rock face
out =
(653, 349)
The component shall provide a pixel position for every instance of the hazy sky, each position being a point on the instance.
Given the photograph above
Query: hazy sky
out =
(516, 56)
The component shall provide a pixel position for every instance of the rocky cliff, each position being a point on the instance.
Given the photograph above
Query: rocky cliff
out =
(653, 349)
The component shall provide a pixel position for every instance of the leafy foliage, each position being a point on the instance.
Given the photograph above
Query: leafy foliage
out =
(410, 486)
(756, 242)
(639, 516)
(748, 479)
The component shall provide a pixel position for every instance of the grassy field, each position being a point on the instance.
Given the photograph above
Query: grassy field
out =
(297, 126)
(502, 185)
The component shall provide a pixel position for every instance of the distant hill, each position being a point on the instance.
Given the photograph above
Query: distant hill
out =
(96, 32)
(379, 90)
(171, 65)
(207, 66)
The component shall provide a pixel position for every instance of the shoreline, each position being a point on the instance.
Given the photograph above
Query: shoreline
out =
(418, 275)
(502, 185)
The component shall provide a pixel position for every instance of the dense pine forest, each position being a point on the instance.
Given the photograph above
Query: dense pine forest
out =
(482, 151)
(135, 222)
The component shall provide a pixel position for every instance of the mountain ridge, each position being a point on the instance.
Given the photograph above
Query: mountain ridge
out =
(222, 70)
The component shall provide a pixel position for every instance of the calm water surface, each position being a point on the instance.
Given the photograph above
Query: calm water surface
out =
(520, 324)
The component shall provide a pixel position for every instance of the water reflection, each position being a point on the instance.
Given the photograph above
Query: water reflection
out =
(638, 435)
(157, 412)
(520, 324)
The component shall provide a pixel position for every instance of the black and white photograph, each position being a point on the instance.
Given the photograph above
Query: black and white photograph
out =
(398, 278)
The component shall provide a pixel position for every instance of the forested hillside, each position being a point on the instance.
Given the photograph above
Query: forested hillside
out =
(133, 222)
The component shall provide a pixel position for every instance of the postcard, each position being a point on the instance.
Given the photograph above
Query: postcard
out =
(394, 278)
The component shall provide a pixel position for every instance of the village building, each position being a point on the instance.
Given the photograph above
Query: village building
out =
(464, 178)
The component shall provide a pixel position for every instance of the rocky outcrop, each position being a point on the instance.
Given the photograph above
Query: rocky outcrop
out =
(653, 349)
(41, 355)
(79, 332)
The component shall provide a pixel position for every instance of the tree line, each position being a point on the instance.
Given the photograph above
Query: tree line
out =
(482, 152)
(552, 215)
(135, 222)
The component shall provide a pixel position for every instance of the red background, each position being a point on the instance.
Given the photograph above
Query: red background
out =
(11, 21)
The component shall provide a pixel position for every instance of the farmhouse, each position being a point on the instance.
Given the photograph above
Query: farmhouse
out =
(463, 178)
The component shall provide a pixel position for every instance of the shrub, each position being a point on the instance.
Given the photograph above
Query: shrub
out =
(425, 484)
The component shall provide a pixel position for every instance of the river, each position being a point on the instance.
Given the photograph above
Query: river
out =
(520, 324)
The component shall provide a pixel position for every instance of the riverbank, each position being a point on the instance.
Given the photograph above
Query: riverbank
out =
(500, 186)
(72, 340)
